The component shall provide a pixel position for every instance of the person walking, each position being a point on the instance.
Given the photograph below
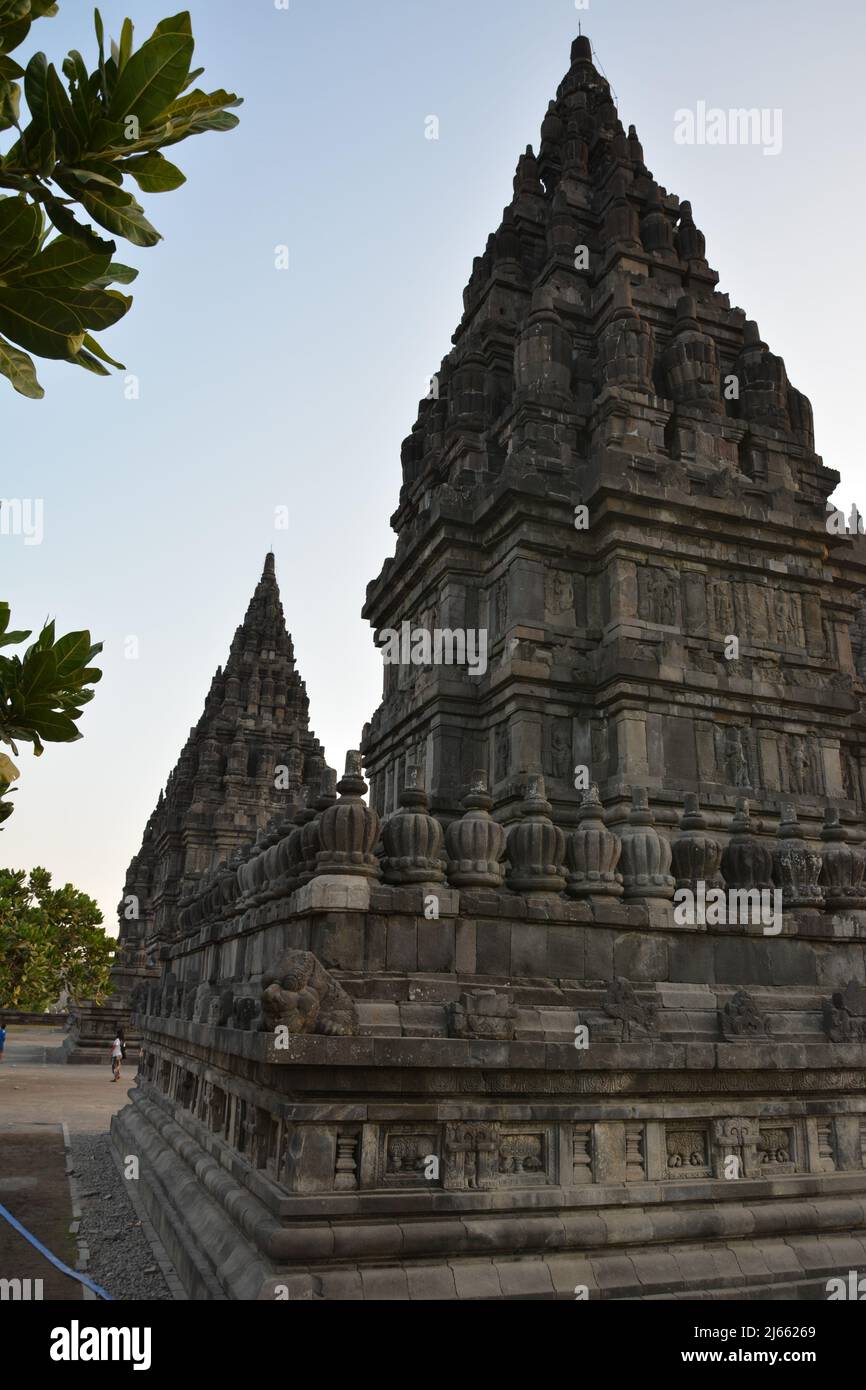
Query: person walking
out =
(118, 1051)
(2, 1037)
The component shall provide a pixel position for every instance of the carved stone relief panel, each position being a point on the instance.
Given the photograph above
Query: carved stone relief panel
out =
(558, 596)
(778, 1149)
(558, 752)
(404, 1154)
(688, 1151)
(658, 595)
(481, 1155)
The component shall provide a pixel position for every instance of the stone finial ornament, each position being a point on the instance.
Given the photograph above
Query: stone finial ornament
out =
(310, 844)
(842, 866)
(475, 843)
(696, 855)
(349, 830)
(796, 867)
(592, 853)
(747, 862)
(412, 838)
(536, 847)
(646, 855)
(291, 847)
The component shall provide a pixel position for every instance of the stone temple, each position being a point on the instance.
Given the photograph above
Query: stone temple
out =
(250, 757)
(461, 1041)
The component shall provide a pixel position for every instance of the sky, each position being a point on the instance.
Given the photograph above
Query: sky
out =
(267, 393)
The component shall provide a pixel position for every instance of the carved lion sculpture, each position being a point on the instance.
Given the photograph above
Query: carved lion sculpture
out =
(300, 994)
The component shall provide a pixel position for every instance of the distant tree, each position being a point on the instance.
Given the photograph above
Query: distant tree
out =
(42, 693)
(51, 940)
(83, 138)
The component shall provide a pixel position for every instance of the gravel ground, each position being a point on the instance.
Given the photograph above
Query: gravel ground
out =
(121, 1258)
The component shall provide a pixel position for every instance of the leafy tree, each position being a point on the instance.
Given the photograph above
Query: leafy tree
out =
(41, 693)
(84, 137)
(51, 940)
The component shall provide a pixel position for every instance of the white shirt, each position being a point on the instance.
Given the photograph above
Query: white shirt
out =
(116, 1050)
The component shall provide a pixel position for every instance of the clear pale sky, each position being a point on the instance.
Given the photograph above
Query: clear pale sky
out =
(263, 388)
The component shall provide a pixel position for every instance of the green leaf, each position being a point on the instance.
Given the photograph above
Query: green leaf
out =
(42, 153)
(9, 69)
(178, 24)
(98, 350)
(199, 101)
(8, 639)
(113, 208)
(84, 102)
(152, 78)
(117, 274)
(65, 261)
(39, 672)
(35, 87)
(65, 221)
(216, 120)
(73, 651)
(100, 28)
(39, 323)
(196, 72)
(153, 173)
(51, 726)
(85, 359)
(103, 167)
(110, 210)
(8, 770)
(19, 369)
(70, 137)
(10, 104)
(95, 308)
(45, 638)
(13, 33)
(125, 49)
(20, 222)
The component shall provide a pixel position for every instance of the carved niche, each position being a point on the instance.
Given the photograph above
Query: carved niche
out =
(405, 1155)
(621, 1002)
(658, 595)
(481, 1155)
(688, 1151)
(740, 1018)
(558, 595)
(736, 1137)
(559, 761)
(845, 1014)
(801, 765)
(483, 1013)
(735, 756)
(777, 1149)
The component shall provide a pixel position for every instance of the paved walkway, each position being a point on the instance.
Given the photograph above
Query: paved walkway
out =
(40, 1093)
(37, 1087)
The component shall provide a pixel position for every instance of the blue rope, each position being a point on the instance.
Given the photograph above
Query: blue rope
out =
(58, 1264)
